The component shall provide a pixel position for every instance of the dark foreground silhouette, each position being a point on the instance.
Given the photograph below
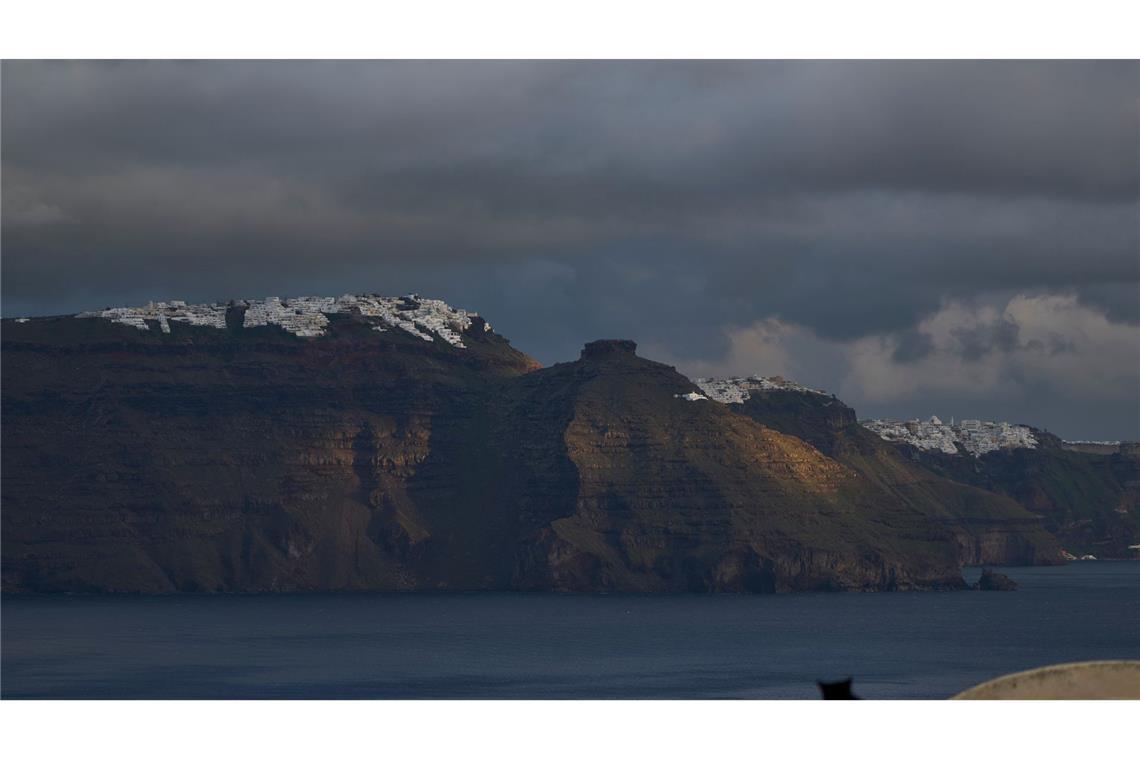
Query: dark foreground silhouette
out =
(836, 689)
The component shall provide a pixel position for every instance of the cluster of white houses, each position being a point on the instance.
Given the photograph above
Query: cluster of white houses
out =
(974, 437)
(737, 390)
(162, 312)
(425, 318)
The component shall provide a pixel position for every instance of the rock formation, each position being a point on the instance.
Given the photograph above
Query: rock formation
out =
(262, 458)
(1090, 502)
(991, 581)
(989, 528)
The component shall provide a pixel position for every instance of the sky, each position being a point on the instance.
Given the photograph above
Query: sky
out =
(951, 238)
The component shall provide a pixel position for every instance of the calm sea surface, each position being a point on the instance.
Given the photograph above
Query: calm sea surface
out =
(537, 646)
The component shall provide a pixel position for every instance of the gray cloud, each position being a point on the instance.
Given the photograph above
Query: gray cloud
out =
(911, 345)
(669, 202)
(976, 341)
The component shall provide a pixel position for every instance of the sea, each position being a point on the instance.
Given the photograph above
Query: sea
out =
(901, 645)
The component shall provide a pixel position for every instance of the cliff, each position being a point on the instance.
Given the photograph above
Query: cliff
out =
(659, 493)
(221, 460)
(990, 528)
(369, 456)
(1089, 501)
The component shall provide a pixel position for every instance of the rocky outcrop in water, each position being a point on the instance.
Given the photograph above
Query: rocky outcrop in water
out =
(991, 581)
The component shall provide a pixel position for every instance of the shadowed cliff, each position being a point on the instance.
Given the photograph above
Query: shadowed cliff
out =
(990, 528)
(682, 495)
(1089, 501)
(250, 459)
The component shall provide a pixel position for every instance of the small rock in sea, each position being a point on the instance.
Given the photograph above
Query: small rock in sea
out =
(991, 581)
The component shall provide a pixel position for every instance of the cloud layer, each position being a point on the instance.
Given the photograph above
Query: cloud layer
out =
(1033, 359)
(687, 205)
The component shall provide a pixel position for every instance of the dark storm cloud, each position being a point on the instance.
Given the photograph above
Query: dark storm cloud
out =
(671, 202)
(912, 345)
(1059, 129)
(979, 340)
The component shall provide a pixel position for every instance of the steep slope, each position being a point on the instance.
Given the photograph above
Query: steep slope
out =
(1091, 502)
(989, 528)
(226, 459)
(672, 494)
(398, 444)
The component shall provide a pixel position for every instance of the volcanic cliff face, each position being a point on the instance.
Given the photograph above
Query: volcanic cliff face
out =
(236, 459)
(990, 528)
(336, 451)
(670, 494)
(1089, 501)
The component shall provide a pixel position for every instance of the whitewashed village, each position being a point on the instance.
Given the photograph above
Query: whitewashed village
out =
(425, 318)
(974, 437)
(737, 390)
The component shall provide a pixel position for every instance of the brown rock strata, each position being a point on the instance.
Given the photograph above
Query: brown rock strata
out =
(253, 460)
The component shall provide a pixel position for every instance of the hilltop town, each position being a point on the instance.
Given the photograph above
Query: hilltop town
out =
(737, 390)
(975, 437)
(305, 316)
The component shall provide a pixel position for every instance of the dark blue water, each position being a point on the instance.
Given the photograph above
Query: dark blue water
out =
(535, 646)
